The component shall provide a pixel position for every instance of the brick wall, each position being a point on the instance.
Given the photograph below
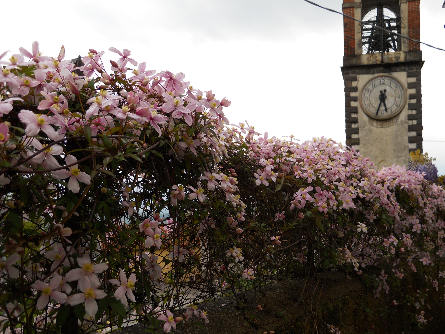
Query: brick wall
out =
(414, 24)
(349, 29)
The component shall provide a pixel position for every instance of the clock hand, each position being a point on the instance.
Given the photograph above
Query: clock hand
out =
(384, 100)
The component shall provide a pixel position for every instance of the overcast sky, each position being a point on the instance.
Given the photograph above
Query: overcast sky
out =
(277, 61)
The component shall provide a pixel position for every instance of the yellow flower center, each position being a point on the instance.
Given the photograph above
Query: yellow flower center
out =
(46, 291)
(177, 102)
(98, 99)
(56, 63)
(156, 236)
(154, 113)
(130, 284)
(75, 171)
(6, 71)
(56, 99)
(170, 318)
(89, 293)
(40, 120)
(13, 60)
(213, 104)
(66, 111)
(48, 150)
(88, 267)
(2, 137)
(200, 191)
(26, 82)
(125, 109)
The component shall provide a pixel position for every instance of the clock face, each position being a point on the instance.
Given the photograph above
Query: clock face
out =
(382, 97)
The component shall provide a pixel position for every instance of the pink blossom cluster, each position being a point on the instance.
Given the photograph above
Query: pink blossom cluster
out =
(125, 190)
(392, 218)
(64, 126)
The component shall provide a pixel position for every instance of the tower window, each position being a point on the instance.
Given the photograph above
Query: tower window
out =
(375, 39)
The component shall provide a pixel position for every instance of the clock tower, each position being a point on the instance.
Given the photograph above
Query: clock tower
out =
(382, 76)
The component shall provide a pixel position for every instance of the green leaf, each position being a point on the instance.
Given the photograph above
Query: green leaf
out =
(14, 223)
(107, 160)
(79, 311)
(280, 185)
(159, 155)
(134, 156)
(87, 132)
(114, 130)
(319, 223)
(108, 172)
(62, 315)
(91, 84)
(4, 163)
(117, 307)
(107, 142)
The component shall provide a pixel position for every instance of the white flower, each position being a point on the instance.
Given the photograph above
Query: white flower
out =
(88, 296)
(362, 228)
(125, 290)
(73, 173)
(49, 290)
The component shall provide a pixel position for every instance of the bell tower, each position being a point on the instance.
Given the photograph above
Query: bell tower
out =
(382, 77)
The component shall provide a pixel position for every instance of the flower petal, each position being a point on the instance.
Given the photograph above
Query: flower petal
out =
(76, 299)
(42, 301)
(91, 307)
(100, 267)
(74, 275)
(59, 297)
(73, 185)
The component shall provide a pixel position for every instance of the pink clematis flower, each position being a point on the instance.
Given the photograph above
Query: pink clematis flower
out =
(125, 290)
(153, 238)
(6, 105)
(125, 56)
(73, 173)
(86, 274)
(88, 296)
(177, 193)
(36, 122)
(57, 254)
(147, 226)
(7, 265)
(170, 321)
(152, 117)
(52, 99)
(4, 132)
(197, 193)
(174, 82)
(49, 290)
(35, 52)
(46, 158)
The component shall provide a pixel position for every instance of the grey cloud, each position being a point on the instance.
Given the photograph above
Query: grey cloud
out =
(220, 19)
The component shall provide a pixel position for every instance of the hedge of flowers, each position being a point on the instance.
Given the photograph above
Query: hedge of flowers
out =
(125, 197)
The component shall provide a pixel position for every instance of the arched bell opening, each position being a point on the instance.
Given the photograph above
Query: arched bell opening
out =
(374, 38)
